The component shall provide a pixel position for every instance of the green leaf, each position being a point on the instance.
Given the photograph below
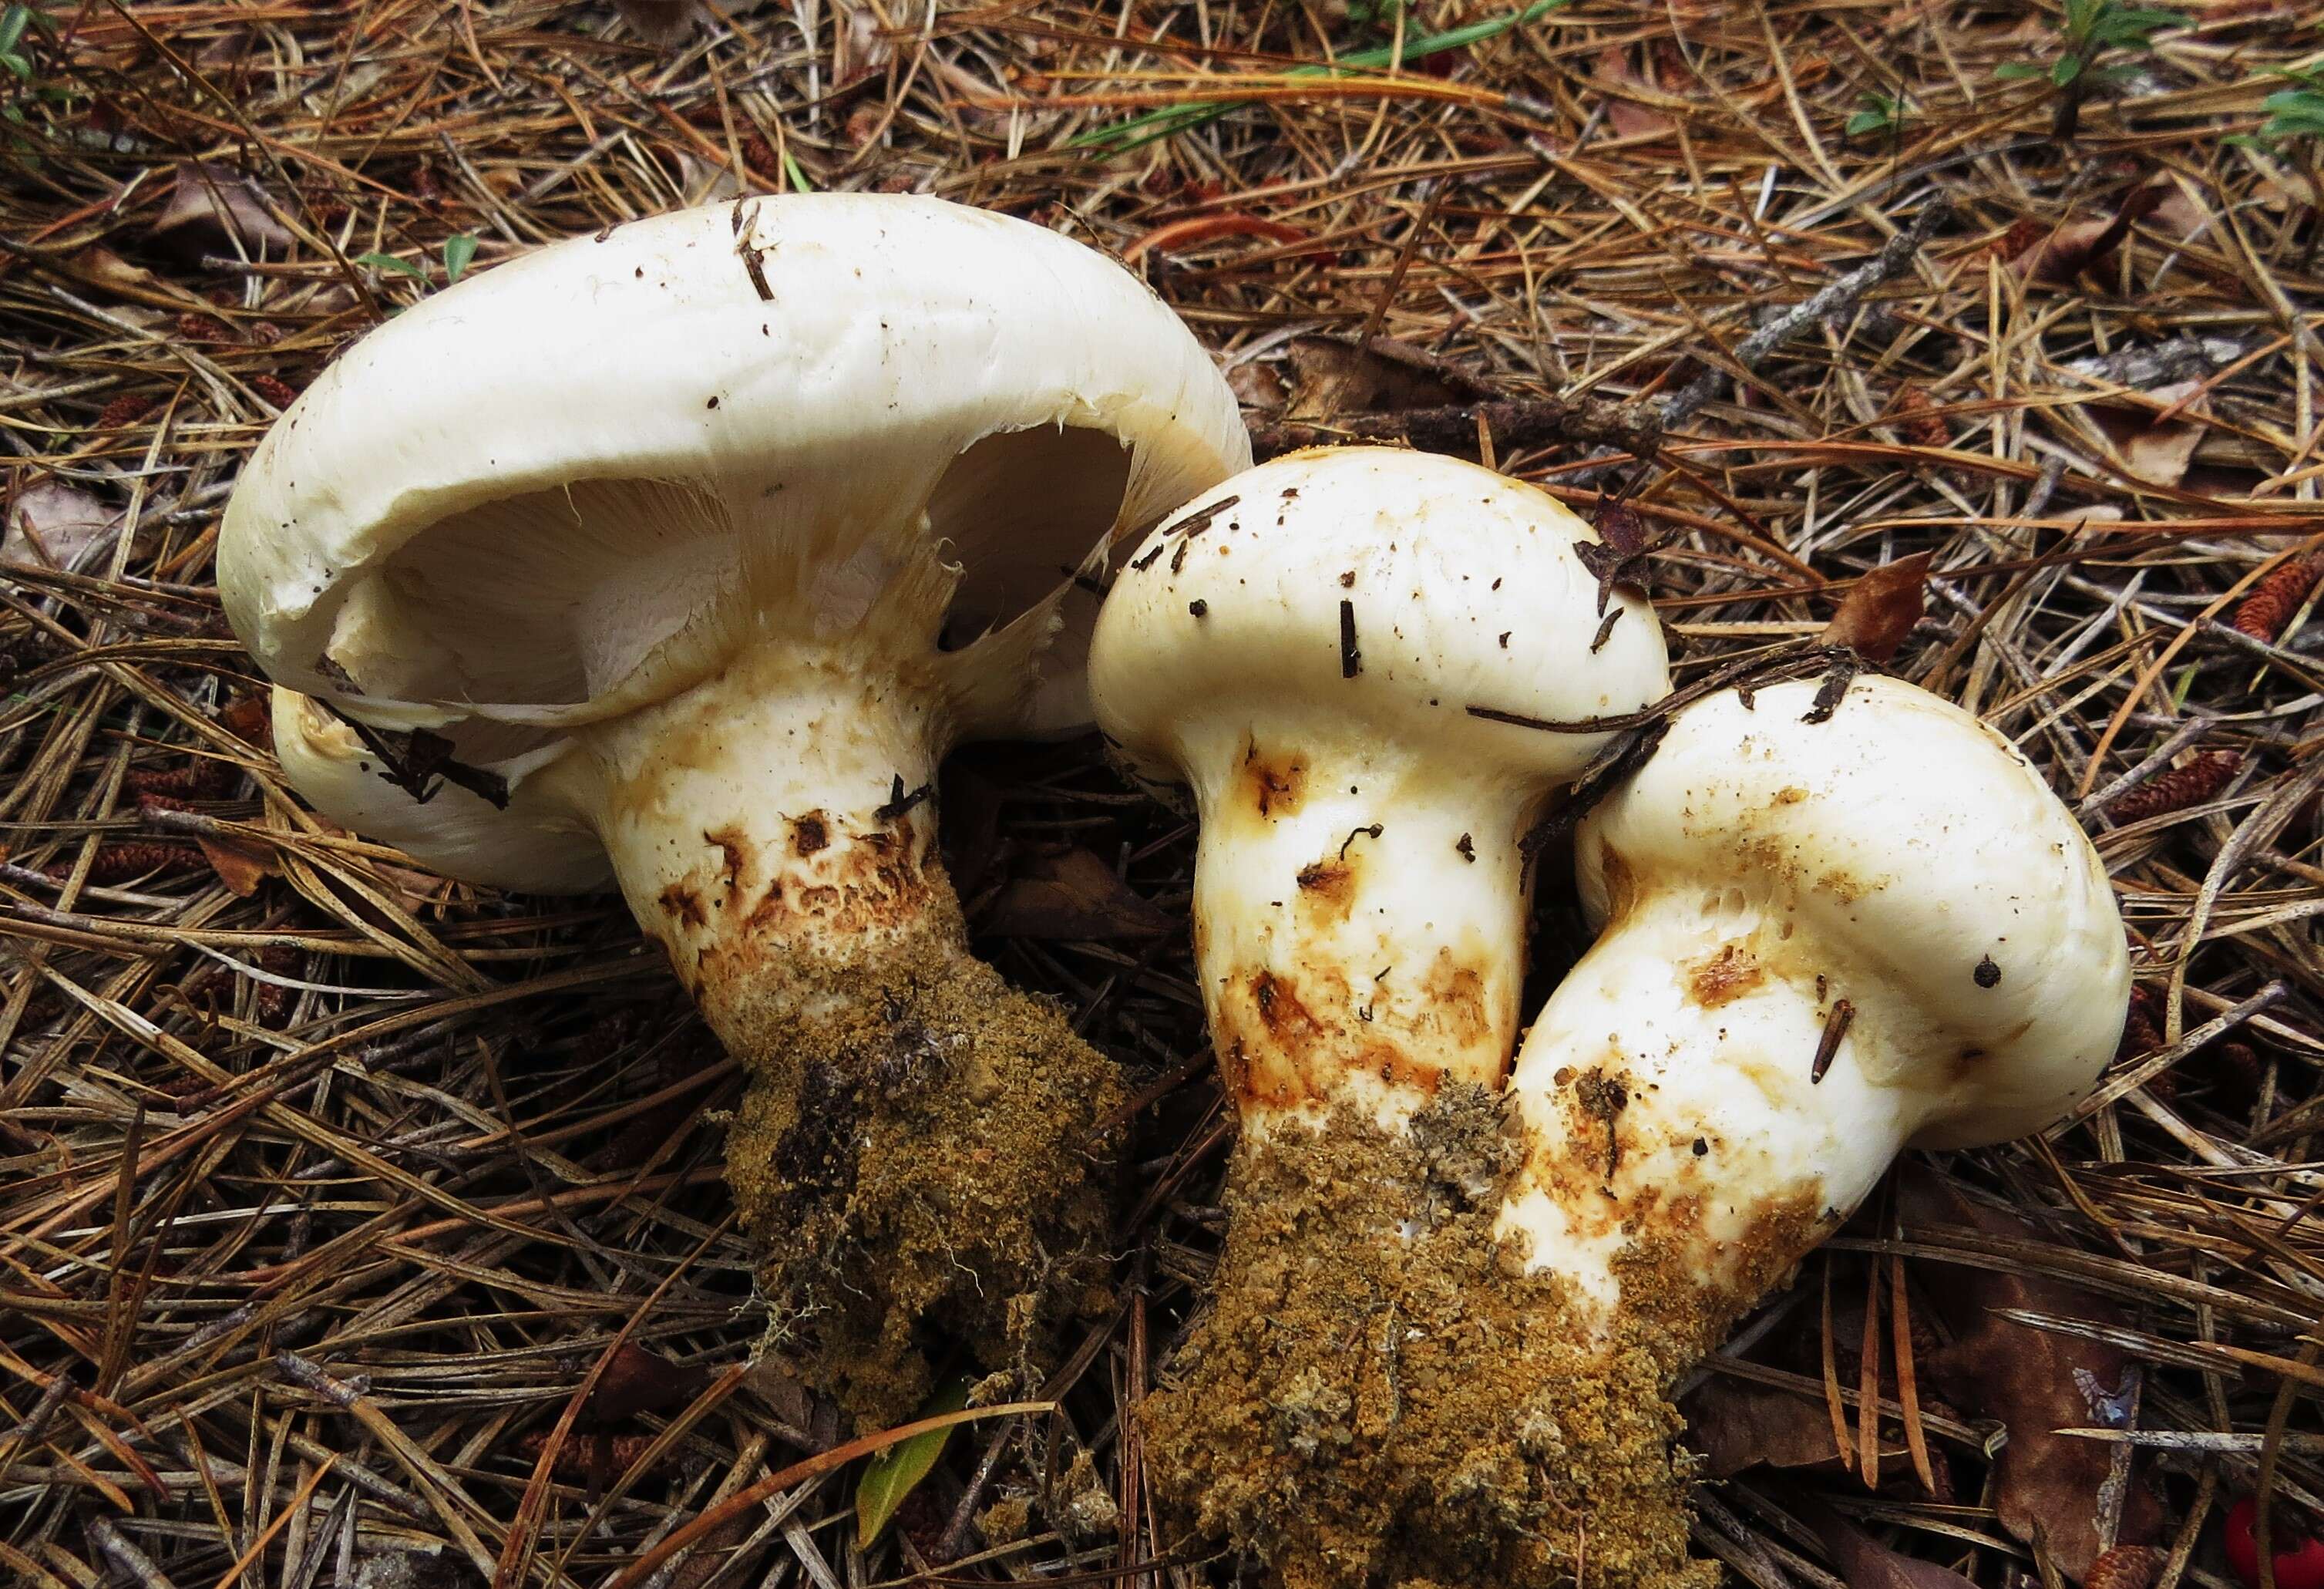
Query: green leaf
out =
(1866, 121)
(388, 262)
(12, 26)
(893, 1475)
(2131, 27)
(1161, 124)
(799, 184)
(2016, 71)
(459, 248)
(17, 64)
(2293, 99)
(2065, 69)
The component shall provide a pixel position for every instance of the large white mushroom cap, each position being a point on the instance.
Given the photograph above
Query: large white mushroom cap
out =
(578, 483)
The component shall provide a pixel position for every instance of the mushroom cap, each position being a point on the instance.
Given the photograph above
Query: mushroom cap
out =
(521, 497)
(1385, 589)
(1914, 860)
(533, 845)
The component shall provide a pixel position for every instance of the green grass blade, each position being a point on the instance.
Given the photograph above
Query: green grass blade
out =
(1160, 124)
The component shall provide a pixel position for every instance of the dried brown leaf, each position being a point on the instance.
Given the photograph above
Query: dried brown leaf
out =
(1622, 83)
(1332, 379)
(2032, 1380)
(1257, 385)
(2069, 250)
(214, 208)
(1072, 894)
(637, 1380)
(53, 525)
(1880, 608)
(240, 864)
(1738, 1424)
(1865, 1563)
(2154, 449)
(661, 22)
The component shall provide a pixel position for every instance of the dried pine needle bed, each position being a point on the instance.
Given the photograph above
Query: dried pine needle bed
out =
(358, 1227)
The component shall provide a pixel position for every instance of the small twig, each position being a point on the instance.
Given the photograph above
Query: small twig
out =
(1896, 256)
(1514, 423)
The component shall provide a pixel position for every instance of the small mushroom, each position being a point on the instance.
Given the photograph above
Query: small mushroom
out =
(1822, 941)
(707, 536)
(1300, 647)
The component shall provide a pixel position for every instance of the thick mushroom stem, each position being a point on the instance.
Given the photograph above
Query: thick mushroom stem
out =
(921, 1141)
(1359, 923)
(1696, 1112)
(773, 824)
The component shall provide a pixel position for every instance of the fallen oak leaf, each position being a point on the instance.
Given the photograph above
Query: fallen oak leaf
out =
(1880, 610)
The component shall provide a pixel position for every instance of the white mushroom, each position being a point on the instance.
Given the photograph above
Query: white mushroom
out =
(1824, 938)
(1300, 646)
(709, 534)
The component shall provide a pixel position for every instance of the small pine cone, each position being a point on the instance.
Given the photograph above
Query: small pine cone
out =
(1917, 417)
(120, 863)
(2142, 1028)
(274, 390)
(271, 1004)
(583, 1455)
(2125, 1566)
(2178, 789)
(201, 779)
(2269, 605)
(2238, 1065)
(201, 328)
(2024, 233)
(760, 156)
(126, 409)
(148, 800)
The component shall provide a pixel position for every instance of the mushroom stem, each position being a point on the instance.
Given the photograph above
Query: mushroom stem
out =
(1359, 923)
(921, 1140)
(773, 822)
(1683, 1142)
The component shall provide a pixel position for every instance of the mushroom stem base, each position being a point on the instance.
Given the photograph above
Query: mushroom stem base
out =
(924, 1154)
(1381, 1393)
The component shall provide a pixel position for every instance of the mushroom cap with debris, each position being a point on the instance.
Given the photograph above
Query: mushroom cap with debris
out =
(1374, 594)
(1942, 885)
(579, 483)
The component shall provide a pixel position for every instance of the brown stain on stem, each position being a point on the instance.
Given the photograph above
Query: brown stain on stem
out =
(1273, 785)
